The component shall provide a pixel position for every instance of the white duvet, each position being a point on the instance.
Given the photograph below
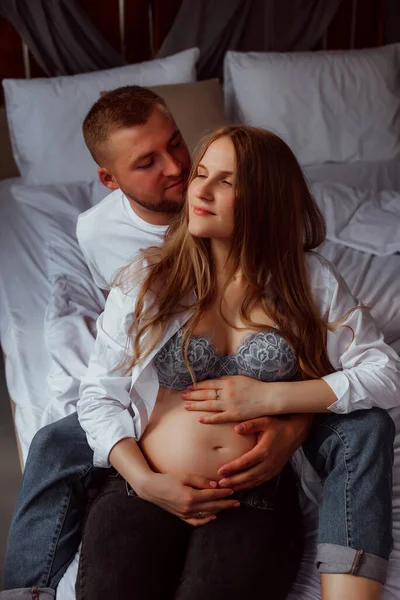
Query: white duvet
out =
(48, 302)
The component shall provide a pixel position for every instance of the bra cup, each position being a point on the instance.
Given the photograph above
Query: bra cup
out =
(263, 355)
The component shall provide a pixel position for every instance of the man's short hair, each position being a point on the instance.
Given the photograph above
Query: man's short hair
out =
(123, 107)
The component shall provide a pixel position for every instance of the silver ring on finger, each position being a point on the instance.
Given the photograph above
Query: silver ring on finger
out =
(200, 515)
(217, 394)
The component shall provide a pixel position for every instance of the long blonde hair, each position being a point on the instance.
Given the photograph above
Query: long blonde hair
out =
(276, 222)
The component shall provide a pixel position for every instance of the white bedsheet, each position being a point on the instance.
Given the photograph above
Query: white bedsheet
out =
(367, 220)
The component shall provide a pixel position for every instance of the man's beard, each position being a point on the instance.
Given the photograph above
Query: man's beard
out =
(163, 206)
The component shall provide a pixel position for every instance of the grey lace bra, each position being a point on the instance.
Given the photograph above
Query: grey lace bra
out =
(263, 355)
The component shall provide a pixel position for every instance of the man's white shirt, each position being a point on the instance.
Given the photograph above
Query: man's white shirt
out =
(111, 234)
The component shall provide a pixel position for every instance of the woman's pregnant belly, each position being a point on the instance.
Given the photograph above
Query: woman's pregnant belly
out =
(175, 442)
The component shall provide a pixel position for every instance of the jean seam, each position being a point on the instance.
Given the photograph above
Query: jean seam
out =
(63, 513)
(45, 582)
(346, 490)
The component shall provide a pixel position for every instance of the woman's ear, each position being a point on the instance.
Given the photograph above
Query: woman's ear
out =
(107, 179)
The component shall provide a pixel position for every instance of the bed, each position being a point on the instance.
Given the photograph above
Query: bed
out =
(48, 301)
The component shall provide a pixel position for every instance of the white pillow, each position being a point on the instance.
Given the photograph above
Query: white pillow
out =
(336, 106)
(45, 115)
(59, 201)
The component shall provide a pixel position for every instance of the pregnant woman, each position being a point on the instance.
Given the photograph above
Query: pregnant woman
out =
(237, 299)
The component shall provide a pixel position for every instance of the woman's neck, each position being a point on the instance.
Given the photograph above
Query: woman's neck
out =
(220, 250)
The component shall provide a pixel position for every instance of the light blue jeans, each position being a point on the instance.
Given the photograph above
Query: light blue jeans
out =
(353, 454)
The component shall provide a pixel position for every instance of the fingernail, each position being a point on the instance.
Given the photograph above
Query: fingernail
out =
(213, 483)
(186, 405)
(236, 504)
(201, 419)
(240, 428)
(190, 387)
(222, 482)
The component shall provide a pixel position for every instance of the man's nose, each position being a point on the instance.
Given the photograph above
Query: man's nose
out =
(172, 167)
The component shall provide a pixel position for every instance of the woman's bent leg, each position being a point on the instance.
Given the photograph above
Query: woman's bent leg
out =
(354, 455)
(130, 548)
(247, 552)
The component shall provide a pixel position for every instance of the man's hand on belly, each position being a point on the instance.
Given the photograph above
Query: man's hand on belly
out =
(277, 439)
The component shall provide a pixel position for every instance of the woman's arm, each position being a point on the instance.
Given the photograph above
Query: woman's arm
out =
(313, 396)
(127, 458)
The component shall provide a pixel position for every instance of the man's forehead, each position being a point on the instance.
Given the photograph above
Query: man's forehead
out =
(143, 139)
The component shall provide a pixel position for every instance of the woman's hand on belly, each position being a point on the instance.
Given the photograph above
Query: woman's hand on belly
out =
(231, 399)
(192, 498)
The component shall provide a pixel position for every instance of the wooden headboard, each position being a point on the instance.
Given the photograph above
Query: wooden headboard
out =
(137, 28)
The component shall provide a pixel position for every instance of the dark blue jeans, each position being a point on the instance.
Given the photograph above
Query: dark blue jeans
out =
(353, 453)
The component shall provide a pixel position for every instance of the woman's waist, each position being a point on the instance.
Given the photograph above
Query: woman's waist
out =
(264, 496)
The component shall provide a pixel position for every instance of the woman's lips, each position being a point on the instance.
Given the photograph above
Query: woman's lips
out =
(201, 212)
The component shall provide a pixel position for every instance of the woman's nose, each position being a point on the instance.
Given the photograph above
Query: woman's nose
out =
(204, 192)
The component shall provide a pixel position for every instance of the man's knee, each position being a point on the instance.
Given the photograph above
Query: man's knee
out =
(374, 425)
(58, 440)
(336, 436)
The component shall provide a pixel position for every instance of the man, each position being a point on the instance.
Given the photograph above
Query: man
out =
(144, 161)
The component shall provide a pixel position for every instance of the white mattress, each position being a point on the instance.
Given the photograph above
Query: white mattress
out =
(25, 290)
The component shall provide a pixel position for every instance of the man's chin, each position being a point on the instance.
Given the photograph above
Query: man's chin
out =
(166, 206)
(169, 205)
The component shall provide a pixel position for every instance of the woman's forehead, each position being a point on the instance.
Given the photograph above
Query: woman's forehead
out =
(220, 154)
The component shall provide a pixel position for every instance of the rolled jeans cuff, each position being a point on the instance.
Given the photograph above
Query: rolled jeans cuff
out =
(332, 558)
(31, 593)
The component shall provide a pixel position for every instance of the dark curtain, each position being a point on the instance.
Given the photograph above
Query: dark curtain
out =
(216, 26)
(60, 36)
(392, 22)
